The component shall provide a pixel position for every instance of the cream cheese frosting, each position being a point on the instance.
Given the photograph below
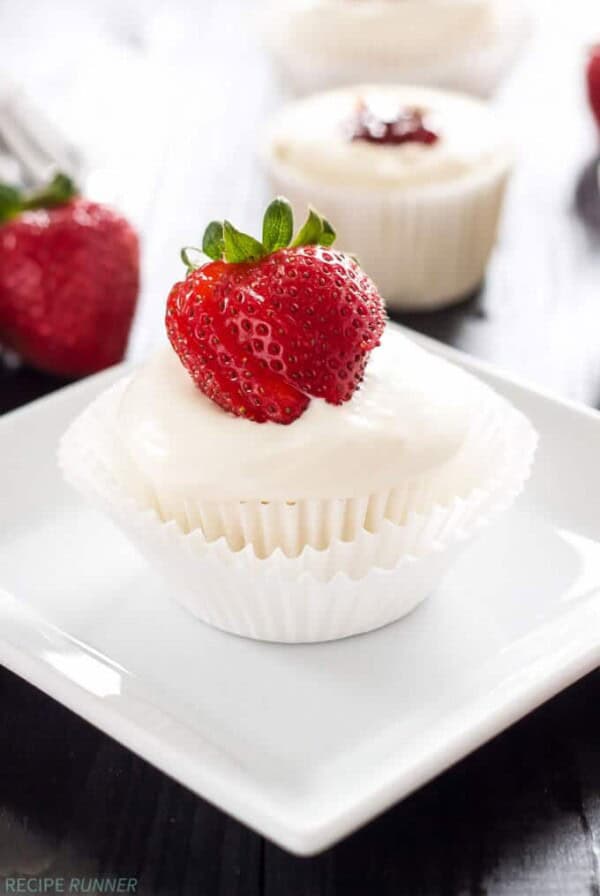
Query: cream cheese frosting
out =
(388, 30)
(311, 141)
(410, 417)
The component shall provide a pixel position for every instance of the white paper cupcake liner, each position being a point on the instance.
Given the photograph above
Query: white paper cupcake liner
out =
(349, 587)
(478, 70)
(425, 247)
(291, 526)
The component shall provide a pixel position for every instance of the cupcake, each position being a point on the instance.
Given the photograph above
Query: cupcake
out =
(297, 471)
(461, 44)
(414, 177)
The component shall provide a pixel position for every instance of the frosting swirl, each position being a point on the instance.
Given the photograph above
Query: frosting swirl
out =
(311, 140)
(410, 416)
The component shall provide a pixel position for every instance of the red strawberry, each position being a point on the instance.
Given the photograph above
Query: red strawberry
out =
(265, 327)
(593, 80)
(69, 279)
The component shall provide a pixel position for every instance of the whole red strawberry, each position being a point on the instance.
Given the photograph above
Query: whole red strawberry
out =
(69, 279)
(593, 81)
(266, 326)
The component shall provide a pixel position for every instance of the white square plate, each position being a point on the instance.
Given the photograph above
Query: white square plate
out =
(303, 743)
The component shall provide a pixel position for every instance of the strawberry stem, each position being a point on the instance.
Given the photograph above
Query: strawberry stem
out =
(222, 241)
(59, 191)
(13, 201)
(10, 202)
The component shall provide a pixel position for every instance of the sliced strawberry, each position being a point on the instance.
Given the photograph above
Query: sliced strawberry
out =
(223, 367)
(273, 325)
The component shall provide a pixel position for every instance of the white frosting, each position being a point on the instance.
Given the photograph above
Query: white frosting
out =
(390, 31)
(310, 139)
(410, 416)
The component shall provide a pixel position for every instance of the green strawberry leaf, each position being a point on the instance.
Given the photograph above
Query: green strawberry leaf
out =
(241, 247)
(310, 232)
(213, 243)
(186, 255)
(224, 241)
(11, 201)
(278, 225)
(328, 235)
(60, 190)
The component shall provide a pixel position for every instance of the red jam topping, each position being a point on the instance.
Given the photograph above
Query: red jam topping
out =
(407, 126)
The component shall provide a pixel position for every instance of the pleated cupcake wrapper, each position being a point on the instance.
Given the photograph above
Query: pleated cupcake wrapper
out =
(477, 70)
(347, 588)
(425, 247)
(403, 517)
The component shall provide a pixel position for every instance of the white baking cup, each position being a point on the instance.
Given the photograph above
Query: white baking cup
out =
(349, 587)
(478, 69)
(425, 247)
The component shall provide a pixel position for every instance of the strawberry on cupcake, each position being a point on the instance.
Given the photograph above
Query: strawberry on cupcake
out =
(267, 326)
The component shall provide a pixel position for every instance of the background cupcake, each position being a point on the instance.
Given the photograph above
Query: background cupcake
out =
(462, 44)
(414, 177)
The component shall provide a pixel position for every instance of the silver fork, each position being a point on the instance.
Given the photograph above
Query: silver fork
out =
(32, 149)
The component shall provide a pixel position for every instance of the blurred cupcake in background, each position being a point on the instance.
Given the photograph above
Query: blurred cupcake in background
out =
(461, 44)
(414, 178)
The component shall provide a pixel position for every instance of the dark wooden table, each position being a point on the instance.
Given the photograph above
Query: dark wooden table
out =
(522, 815)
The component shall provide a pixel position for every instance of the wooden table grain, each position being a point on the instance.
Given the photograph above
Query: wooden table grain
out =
(168, 100)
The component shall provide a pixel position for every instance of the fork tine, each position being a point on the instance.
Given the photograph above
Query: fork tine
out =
(33, 141)
(47, 137)
(35, 167)
(10, 171)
